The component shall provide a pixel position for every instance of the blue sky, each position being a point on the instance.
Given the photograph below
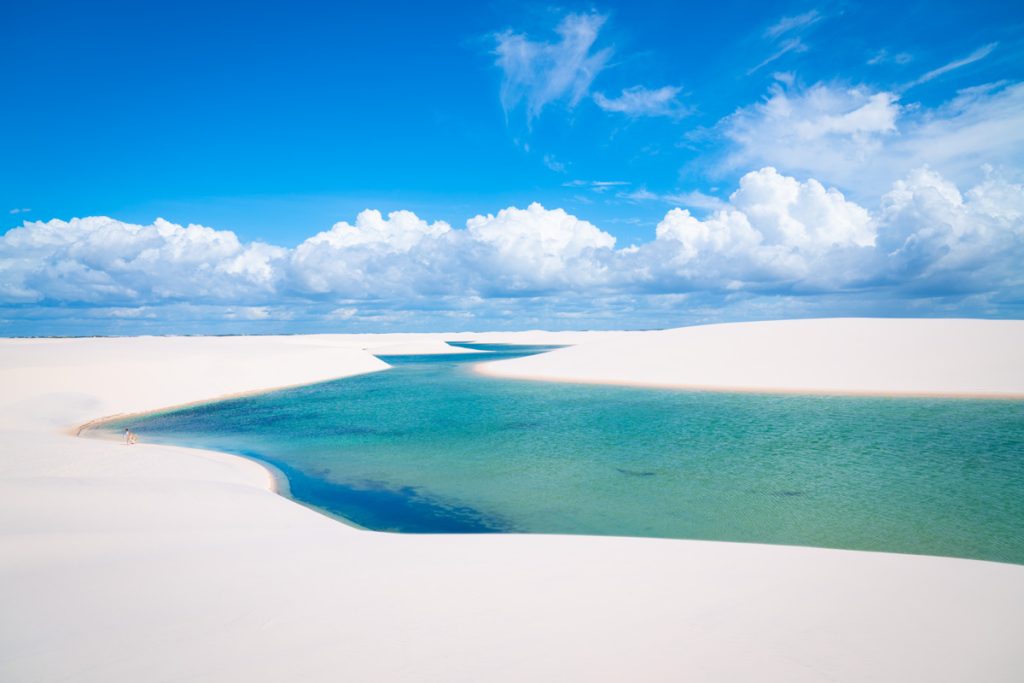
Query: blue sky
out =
(748, 161)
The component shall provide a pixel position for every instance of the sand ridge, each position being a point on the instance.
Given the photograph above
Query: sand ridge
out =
(863, 356)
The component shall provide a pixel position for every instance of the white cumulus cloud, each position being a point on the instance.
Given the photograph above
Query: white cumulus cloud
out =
(534, 249)
(102, 259)
(803, 215)
(793, 129)
(774, 230)
(935, 238)
(925, 239)
(863, 140)
(783, 240)
(398, 255)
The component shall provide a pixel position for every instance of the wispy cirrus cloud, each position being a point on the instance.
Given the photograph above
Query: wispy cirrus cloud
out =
(539, 73)
(638, 101)
(787, 36)
(794, 45)
(793, 23)
(883, 56)
(693, 199)
(977, 55)
(553, 163)
(596, 185)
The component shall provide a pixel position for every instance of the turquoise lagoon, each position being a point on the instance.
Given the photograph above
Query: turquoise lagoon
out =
(431, 446)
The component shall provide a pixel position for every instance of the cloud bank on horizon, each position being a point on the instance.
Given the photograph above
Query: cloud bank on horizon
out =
(829, 197)
(776, 238)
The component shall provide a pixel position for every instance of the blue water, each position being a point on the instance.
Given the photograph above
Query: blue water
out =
(430, 446)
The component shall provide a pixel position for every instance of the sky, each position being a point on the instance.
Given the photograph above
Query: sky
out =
(223, 167)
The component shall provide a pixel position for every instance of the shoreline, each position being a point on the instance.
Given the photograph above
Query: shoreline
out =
(481, 369)
(96, 423)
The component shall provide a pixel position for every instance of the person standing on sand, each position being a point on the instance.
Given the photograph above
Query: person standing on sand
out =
(127, 437)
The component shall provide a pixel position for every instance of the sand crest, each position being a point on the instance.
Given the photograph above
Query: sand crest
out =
(983, 358)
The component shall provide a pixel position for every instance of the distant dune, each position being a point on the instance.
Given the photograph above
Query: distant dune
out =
(983, 358)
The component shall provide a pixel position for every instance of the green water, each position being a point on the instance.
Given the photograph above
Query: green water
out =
(431, 446)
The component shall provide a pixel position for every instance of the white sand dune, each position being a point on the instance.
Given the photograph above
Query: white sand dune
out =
(155, 563)
(67, 381)
(534, 337)
(434, 347)
(842, 355)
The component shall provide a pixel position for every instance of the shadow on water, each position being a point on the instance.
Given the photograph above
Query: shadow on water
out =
(635, 473)
(376, 506)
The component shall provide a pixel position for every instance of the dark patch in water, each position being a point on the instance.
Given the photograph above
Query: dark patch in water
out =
(782, 493)
(636, 473)
(356, 430)
(375, 506)
(533, 424)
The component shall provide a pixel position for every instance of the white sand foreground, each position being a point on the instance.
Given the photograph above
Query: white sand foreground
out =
(154, 563)
(946, 357)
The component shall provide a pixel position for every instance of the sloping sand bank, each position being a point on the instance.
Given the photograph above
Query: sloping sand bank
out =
(840, 355)
(154, 563)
